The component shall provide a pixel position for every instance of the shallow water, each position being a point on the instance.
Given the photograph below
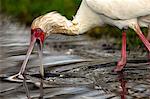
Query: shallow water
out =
(76, 67)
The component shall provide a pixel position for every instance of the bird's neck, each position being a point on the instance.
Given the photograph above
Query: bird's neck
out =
(86, 19)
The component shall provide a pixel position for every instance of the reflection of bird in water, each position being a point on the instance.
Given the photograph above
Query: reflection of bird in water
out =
(123, 82)
(120, 13)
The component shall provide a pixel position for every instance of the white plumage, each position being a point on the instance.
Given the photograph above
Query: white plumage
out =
(120, 13)
(120, 9)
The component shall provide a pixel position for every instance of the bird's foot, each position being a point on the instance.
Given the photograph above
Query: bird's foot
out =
(16, 78)
(120, 66)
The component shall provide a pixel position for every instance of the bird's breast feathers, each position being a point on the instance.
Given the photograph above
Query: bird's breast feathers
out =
(120, 9)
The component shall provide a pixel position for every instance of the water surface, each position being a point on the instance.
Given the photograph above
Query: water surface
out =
(75, 67)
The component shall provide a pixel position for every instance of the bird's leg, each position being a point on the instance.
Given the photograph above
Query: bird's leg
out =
(41, 71)
(148, 38)
(123, 59)
(142, 37)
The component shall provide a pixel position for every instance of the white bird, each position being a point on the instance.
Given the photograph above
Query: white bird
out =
(91, 13)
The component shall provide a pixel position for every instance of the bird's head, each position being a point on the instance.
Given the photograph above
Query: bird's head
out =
(45, 25)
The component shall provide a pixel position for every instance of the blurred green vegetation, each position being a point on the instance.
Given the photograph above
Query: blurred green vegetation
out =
(26, 10)
(133, 42)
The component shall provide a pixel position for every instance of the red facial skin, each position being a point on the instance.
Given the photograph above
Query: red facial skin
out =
(38, 34)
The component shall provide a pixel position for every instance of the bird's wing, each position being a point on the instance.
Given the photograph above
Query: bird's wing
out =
(120, 9)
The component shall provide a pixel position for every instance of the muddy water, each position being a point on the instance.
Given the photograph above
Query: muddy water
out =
(75, 67)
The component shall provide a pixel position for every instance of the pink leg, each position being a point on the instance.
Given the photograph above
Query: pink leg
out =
(143, 39)
(148, 54)
(123, 59)
(148, 37)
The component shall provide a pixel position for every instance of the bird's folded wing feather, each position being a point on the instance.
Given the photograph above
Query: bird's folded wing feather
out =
(120, 9)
